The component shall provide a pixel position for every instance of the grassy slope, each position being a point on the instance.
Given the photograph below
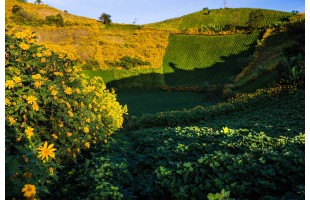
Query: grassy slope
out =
(236, 17)
(88, 39)
(191, 60)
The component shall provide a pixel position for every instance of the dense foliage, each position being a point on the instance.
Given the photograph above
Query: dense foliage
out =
(128, 62)
(263, 160)
(53, 112)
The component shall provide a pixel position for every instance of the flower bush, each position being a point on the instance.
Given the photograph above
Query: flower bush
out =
(53, 112)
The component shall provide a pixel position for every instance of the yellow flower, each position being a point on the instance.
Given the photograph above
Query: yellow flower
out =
(11, 46)
(20, 34)
(54, 92)
(58, 74)
(46, 151)
(39, 55)
(29, 132)
(54, 136)
(31, 99)
(7, 102)
(29, 190)
(43, 60)
(38, 84)
(105, 141)
(27, 175)
(61, 124)
(69, 134)
(86, 129)
(42, 71)
(35, 106)
(47, 53)
(18, 139)
(24, 46)
(17, 79)
(70, 113)
(36, 76)
(68, 90)
(87, 120)
(226, 130)
(9, 84)
(12, 120)
(87, 145)
(51, 170)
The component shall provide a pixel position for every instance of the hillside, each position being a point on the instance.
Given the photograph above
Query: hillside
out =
(194, 60)
(210, 105)
(237, 17)
(89, 41)
(96, 46)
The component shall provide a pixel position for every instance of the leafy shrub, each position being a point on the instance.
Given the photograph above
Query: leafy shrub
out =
(91, 64)
(55, 20)
(52, 113)
(20, 16)
(239, 161)
(128, 62)
(255, 18)
(96, 178)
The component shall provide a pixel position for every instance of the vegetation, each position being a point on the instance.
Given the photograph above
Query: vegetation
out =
(192, 60)
(196, 160)
(237, 18)
(105, 18)
(56, 20)
(53, 112)
(216, 106)
(129, 62)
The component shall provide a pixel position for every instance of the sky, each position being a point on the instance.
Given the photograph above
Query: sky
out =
(148, 11)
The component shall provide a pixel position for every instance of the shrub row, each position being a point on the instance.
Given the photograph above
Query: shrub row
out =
(238, 103)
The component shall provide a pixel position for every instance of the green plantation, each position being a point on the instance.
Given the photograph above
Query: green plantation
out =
(210, 105)
(193, 60)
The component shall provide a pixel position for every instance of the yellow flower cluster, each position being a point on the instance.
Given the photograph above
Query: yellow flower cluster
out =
(59, 107)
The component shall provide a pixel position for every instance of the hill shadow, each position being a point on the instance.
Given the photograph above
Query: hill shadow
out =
(219, 73)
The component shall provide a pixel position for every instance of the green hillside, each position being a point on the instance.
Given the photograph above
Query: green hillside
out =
(192, 60)
(236, 17)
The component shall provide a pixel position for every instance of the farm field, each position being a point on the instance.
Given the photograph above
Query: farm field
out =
(220, 17)
(193, 60)
(153, 101)
(233, 151)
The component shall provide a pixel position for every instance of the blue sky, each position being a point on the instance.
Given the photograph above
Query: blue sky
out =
(147, 11)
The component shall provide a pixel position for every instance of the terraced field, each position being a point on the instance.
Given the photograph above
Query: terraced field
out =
(192, 60)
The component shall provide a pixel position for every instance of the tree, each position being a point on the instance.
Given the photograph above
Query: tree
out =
(105, 18)
(38, 2)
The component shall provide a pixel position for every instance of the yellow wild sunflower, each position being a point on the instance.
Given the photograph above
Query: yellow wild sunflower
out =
(31, 99)
(29, 190)
(46, 151)
(29, 132)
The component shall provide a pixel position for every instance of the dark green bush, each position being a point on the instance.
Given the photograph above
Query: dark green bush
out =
(91, 64)
(128, 62)
(55, 20)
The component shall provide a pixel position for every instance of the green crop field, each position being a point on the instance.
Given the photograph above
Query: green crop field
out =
(192, 60)
(154, 101)
(221, 17)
